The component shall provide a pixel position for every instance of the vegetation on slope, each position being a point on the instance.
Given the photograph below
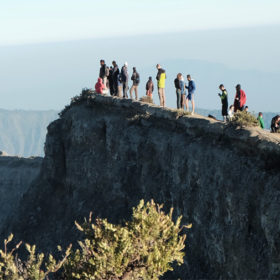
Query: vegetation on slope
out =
(143, 248)
(244, 119)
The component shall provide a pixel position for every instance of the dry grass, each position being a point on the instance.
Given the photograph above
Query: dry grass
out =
(244, 119)
(147, 99)
(181, 112)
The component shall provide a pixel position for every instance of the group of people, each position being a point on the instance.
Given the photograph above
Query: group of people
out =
(112, 79)
(239, 105)
(116, 80)
(184, 92)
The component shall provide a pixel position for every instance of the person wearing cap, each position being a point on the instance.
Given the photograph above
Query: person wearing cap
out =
(124, 79)
(161, 77)
(224, 100)
(135, 83)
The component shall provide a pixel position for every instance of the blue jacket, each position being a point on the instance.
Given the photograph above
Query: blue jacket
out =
(191, 87)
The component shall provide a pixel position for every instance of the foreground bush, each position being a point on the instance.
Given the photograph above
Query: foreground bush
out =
(34, 268)
(244, 119)
(143, 248)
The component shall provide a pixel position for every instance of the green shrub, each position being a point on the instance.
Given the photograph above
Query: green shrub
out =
(244, 119)
(143, 248)
(13, 268)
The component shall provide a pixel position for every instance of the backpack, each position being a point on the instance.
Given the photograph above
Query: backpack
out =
(137, 79)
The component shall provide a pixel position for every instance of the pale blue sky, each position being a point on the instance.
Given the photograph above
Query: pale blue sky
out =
(50, 49)
(37, 21)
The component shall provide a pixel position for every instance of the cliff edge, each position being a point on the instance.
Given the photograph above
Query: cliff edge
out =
(104, 154)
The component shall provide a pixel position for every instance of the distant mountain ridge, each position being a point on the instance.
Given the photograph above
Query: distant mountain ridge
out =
(23, 132)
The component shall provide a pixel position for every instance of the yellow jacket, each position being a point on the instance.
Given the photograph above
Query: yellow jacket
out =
(161, 81)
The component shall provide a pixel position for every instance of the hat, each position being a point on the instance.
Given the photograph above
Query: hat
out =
(126, 64)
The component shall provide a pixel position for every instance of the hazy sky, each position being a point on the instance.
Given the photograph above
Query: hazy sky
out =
(34, 21)
(50, 50)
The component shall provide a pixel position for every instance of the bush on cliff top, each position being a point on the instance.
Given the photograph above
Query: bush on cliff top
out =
(143, 248)
(244, 119)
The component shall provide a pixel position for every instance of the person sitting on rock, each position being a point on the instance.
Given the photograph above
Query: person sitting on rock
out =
(275, 124)
(99, 86)
(231, 112)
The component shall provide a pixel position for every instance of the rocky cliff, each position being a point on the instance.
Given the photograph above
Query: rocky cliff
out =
(16, 176)
(105, 154)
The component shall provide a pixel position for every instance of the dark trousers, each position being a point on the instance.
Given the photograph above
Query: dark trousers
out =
(179, 98)
(125, 89)
(225, 109)
(115, 88)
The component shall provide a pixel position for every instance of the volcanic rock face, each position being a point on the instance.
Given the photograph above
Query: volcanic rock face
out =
(105, 154)
(16, 175)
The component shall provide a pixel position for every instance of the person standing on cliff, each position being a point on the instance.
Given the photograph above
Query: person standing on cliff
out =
(115, 77)
(120, 86)
(150, 87)
(102, 71)
(124, 78)
(111, 82)
(224, 99)
(161, 77)
(191, 89)
(240, 99)
(135, 83)
(260, 120)
(178, 91)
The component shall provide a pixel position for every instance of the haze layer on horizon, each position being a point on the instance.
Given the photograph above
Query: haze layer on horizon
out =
(226, 42)
(32, 21)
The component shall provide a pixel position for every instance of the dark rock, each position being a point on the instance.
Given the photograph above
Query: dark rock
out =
(105, 154)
